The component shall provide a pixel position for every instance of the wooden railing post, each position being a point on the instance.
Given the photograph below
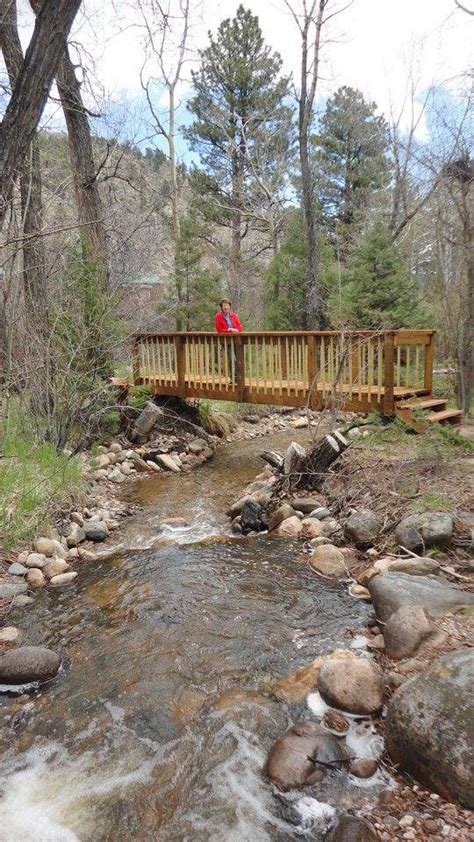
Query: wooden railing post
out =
(389, 373)
(429, 359)
(135, 361)
(240, 364)
(311, 363)
(180, 365)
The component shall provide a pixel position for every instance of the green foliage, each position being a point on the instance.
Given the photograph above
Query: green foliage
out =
(434, 501)
(239, 114)
(285, 277)
(35, 481)
(198, 288)
(453, 438)
(110, 422)
(377, 290)
(351, 161)
(138, 396)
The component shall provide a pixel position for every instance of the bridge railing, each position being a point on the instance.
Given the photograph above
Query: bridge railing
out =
(362, 369)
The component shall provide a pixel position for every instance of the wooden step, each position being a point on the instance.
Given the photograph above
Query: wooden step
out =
(423, 403)
(451, 416)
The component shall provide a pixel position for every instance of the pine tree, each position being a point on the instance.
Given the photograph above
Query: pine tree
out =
(378, 290)
(351, 163)
(238, 104)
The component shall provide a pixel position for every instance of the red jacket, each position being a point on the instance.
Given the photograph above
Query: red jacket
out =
(221, 325)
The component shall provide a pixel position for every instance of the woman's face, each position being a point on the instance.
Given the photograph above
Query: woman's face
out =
(225, 307)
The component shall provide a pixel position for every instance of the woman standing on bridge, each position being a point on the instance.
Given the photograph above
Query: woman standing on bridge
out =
(228, 322)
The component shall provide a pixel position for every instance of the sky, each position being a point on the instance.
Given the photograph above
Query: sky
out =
(372, 45)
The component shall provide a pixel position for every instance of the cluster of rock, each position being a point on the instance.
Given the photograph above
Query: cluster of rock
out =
(116, 463)
(429, 718)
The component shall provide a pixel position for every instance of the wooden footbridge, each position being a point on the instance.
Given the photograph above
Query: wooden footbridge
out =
(387, 371)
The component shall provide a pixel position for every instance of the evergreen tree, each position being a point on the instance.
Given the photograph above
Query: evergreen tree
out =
(238, 104)
(199, 287)
(285, 294)
(378, 290)
(351, 163)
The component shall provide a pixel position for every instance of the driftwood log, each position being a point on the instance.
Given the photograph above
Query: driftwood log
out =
(307, 469)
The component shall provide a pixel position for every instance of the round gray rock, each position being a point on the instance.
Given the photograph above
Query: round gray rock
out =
(405, 630)
(424, 530)
(352, 829)
(352, 684)
(96, 530)
(392, 591)
(430, 727)
(28, 663)
(363, 527)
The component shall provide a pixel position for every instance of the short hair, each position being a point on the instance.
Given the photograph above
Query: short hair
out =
(225, 301)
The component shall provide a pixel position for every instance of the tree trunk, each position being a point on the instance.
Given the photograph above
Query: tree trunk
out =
(313, 301)
(467, 361)
(94, 246)
(34, 262)
(31, 90)
(174, 203)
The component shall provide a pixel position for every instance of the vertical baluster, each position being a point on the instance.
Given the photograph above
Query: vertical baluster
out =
(417, 366)
(370, 375)
(399, 364)
(379, 368)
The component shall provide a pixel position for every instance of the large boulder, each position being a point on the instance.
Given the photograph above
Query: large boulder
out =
(295, 686)
(290, 528)
(405, 630)
(414, 566)
(293, 758)
(397, 590)
(28, 663)
(253, 517)
(363, 528)
(328, 560)
(430, 727)
(352, 684)
(424, 530)
(352, 829)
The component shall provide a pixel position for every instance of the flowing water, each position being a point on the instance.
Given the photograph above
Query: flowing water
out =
(158, 726)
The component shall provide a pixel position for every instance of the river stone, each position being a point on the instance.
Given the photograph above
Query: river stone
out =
(167, 462)
(352, 829)
(28, 663)
(45, 546)
(96, 530)
(364, 768)
(35, 578)
(320, 513)
(363, 527)
(10, 589)
(311, 528)
(17, 569)
(307, 504)
(55, 567)
(279, 515)
(414, 566)
(137, 460)
(328, 560)
(36, 560)
(115, 447)
(291, 760)
(253, 517)
(425, 529)
(290, 527)
(405, 630)
(397, 590)
(430, 727)
(9, 634)
(59, 550)
(352, 684)
(21, 601)
(75, 536)
(295, 686)
(63, 578)
(115, 475)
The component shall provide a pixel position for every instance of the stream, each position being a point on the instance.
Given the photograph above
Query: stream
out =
(158, 726)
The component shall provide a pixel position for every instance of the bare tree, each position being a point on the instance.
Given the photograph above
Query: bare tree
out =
(31, 90)
(311, 18)
(166, 27)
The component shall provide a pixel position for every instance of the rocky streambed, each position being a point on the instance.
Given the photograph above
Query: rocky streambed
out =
(226, 687)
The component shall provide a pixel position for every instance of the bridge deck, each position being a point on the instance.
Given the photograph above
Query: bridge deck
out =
(361, 370)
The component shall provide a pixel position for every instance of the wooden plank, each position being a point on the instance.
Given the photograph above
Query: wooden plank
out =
(311, 368)
(388, 397)
(240, 363)
(428, 365)
(180, 351)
